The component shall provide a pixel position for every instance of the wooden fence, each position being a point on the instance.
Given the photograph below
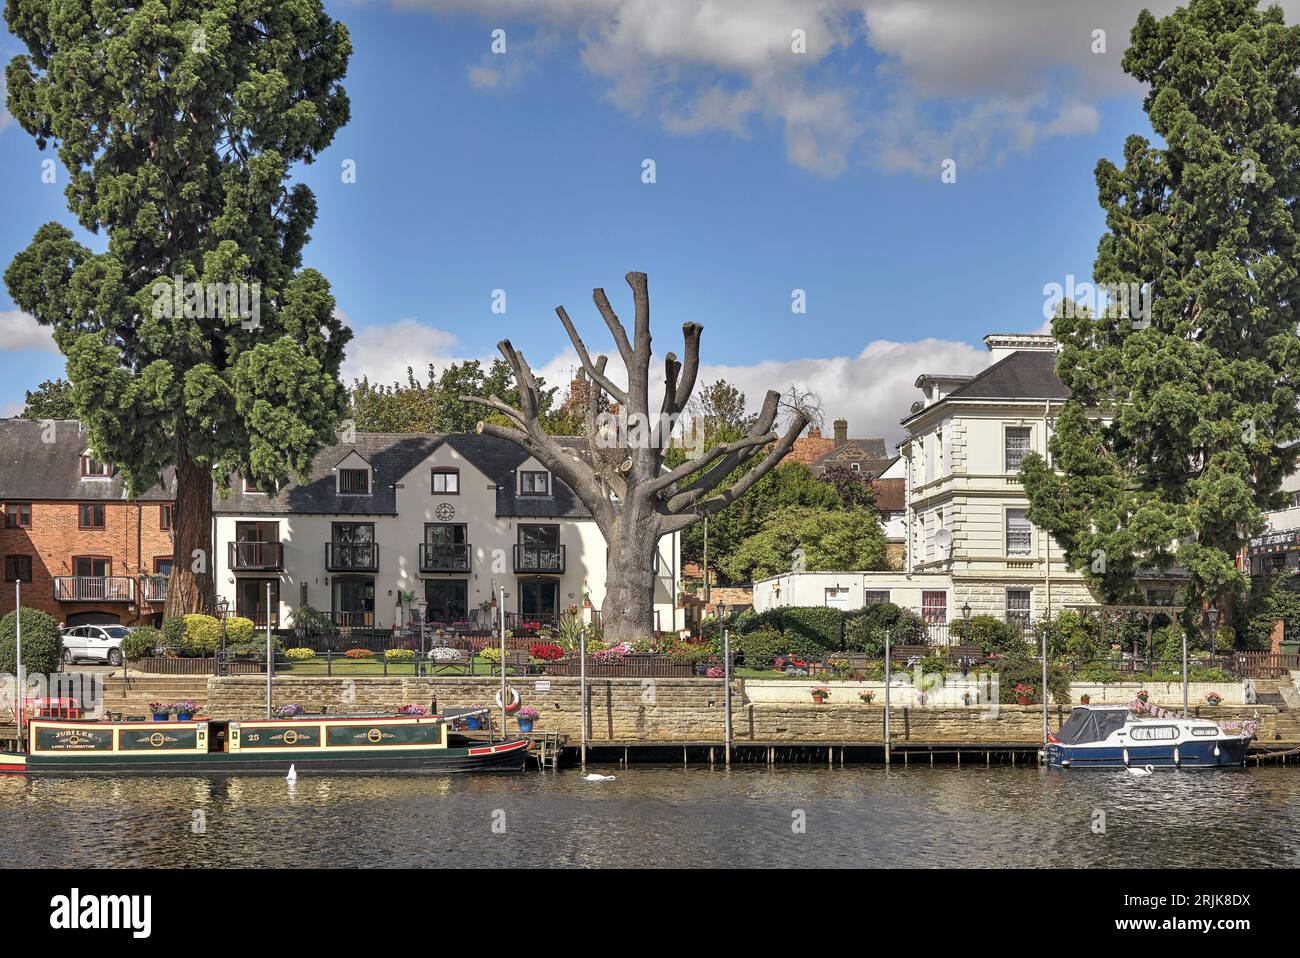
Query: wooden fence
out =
(1264, 665)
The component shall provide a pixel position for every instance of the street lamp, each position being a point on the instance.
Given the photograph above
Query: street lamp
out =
(223, 608)
(1212, 614)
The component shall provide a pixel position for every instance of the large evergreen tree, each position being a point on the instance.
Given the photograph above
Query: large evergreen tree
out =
(178, 123)
(1179, 428)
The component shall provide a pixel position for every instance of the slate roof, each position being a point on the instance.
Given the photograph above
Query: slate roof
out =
(31, 468)
(1025, 374)
(392, 456)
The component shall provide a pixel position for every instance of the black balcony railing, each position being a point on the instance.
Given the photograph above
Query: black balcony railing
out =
(351, 557)
(353, 620)
(154, 588)
(256, 555)
(539, 558)
(94, 588)
(259, 619)
(444, 557)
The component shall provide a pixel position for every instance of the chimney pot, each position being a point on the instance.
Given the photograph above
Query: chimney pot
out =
(814, 432)
(841, 430)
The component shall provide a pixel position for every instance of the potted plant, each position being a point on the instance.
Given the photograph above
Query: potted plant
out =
(1213, 698)
(289, 711)
(185, 709)
(867, 696)
(1022, 693)
(161, 710)
(820, 693)
(1085, 699)
(526, 716)
(413, 710)
(472, 721)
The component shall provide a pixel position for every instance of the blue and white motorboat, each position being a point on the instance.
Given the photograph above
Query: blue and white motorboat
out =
(1140, 736)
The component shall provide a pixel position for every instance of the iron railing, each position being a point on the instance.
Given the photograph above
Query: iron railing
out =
(352, 556)
(444, 557)
(94, 588)
(539, 558)
(256, 555)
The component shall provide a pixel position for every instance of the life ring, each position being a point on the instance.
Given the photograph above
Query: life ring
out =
(514, 701)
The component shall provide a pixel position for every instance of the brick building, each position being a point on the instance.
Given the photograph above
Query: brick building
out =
(82, 549)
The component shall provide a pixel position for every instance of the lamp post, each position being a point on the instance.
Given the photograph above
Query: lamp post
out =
(223, 609)
(965, 618)
(423, 606)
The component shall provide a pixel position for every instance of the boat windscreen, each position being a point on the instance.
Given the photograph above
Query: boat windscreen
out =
(1090, 725)
(461, 711)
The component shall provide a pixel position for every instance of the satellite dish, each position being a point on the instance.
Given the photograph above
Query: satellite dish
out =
(943, 538)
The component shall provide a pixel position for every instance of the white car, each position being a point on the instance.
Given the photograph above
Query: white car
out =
(97, 643)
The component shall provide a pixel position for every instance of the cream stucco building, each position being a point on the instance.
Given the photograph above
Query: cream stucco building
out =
(452, 518)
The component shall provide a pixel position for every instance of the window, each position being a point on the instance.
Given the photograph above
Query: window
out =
(90, 515)
(875, 598)
(162, 565)
(855, 466)
(354, 482)
(165, 516)
(1018, 607)
(934, 607)
(92, 468)
(1020, 534)
(1016, 446)
(18, 515)
(445, 482)
(18, 568)
(1163, 596)
(837, 598)
(1153, 733)
(534, 484)
(92, 567)
(250, 601)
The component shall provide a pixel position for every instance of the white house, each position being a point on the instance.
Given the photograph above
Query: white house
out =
(969, 542)
(453, 518)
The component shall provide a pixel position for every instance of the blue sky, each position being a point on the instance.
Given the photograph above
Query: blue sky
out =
(522, 172)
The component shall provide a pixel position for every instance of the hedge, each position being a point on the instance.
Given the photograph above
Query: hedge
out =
(820, 625)
(42, 643)
(761, 648)
(141, 642)
(202, 634)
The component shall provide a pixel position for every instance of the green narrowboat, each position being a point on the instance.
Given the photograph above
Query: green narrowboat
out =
(393, 743)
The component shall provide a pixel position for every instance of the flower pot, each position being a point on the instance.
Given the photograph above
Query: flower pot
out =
(819, 699)
(1085, 699)
(525, 725)
(160, 716)
(184, 716)
(1022, 699)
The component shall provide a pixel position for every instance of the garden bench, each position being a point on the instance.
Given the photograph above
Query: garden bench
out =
(461, 660)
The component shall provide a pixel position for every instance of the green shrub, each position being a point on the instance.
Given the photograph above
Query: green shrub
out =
(820, 625)
(299, 654)
(761, 648)
(202, 634)
(751, 621)
(240, 631)
(864, 630)
(42, 643)
(1028, 670)
(992, 636)
(173, 636)
(311, 621)
(141, 642)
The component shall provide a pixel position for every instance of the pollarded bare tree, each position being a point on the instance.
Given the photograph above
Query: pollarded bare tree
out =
(634, 498)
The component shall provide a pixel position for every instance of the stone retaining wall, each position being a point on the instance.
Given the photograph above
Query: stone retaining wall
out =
(660, 710)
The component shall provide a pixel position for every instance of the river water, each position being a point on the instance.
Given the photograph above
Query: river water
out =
(864, 816)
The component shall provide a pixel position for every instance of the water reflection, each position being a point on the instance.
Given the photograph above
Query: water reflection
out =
(655, 816)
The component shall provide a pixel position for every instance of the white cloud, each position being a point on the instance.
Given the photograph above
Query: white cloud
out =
(19, 331)
(872, 390)
(904, 83)
(383, 352)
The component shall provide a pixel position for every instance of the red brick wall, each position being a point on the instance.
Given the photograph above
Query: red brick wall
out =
(54, 539)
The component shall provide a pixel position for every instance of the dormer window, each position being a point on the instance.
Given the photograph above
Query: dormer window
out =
(534, 484)
(354, 482)
(92, 468)
(250, 489)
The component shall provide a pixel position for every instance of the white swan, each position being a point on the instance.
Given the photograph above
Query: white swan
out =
(1145, 770)
(293, 774)
(593, 777)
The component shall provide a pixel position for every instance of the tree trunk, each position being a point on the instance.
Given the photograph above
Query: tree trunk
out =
(190, 588)
(628, 612)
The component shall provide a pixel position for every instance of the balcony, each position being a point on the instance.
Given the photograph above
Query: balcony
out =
(258, 619)
(539, 559)
(154, 588)
(444, 557)
(94, 588)
(351, 557)
(353, 620)
(262, 556)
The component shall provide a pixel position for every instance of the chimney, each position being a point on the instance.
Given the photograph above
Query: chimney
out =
(814, 432)
(841, 431)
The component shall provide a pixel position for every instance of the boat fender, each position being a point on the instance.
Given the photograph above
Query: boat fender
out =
(1216, 749)
(1126, 758)
(514, 700)
(1176, 758)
